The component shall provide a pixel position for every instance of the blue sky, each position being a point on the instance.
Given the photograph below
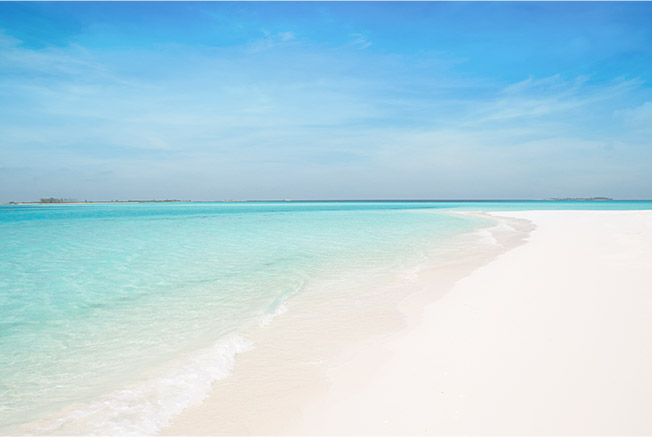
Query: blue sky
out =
(319, 100)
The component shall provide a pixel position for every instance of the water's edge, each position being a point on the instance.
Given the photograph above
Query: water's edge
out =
(271, 384)
(118, 318)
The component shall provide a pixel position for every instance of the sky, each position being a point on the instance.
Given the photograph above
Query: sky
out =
(325, 100)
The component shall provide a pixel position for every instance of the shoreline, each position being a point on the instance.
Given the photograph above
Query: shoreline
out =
(338, 311)
(552, 337)
(532, 322)
(290, 364)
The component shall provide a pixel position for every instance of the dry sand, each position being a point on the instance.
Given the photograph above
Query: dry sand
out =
(552, 337)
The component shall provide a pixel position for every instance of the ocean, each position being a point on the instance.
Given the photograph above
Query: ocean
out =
(115, 317)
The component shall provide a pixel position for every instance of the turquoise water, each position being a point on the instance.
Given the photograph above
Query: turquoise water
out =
(120, 315)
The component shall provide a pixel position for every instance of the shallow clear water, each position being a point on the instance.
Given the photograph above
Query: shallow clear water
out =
(97, 298)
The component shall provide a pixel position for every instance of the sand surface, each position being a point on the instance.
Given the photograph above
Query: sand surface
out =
(551, 337)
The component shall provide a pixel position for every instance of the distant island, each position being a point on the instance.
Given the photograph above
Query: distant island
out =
(58, 200)
(578, 198)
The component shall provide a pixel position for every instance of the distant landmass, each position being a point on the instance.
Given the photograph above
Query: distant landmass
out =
(65, 200)
(579, 198)
(57, 200)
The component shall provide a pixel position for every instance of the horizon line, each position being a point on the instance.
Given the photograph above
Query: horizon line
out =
(556, 199)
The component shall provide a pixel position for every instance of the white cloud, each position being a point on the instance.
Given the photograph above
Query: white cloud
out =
(639, 117)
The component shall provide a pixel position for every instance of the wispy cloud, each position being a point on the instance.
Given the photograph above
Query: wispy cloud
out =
(291, 106)
(638, 118)
(270, 40)
(548, 96)
(7, 41)
(360, 41)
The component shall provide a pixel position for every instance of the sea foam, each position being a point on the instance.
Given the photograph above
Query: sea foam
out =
(147, 407)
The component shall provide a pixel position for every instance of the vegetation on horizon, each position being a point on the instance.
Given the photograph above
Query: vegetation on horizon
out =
(56, 200)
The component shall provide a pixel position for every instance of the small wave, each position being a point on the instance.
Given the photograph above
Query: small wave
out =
(278, 307)
(411, 274)
(502, 226)
(487, 237)
(146, 408)
(271, 315)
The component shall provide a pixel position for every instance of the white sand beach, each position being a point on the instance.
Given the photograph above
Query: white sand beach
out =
(551, 337)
